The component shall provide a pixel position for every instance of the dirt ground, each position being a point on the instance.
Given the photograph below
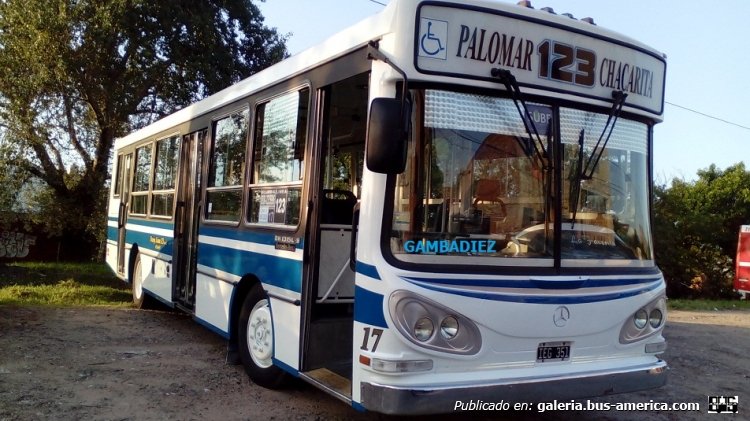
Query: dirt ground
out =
(121, 364)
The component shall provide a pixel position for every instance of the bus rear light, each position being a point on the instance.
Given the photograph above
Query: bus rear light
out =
(396, 366)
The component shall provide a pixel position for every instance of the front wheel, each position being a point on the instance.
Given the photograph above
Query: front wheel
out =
(256, 341)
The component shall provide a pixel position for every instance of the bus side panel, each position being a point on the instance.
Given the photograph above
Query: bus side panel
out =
(156, 275)
(229, 255)
(212, 298)
(111, 251)
(155, 242)
(286, 333)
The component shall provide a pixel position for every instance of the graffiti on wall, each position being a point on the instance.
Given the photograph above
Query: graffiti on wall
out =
(15, 244)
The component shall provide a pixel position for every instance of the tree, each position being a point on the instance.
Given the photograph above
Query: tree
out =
(695, 230)
(74, 75)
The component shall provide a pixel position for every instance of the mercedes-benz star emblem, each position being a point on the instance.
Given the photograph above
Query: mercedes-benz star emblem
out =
(561, 316)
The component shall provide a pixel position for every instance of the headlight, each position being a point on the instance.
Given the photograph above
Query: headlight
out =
(417, 318)
(645, 322)
(449, 327)
(655, 318)
(423, 329)
(640, 318)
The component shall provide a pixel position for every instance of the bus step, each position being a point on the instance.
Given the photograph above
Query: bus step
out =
(336, 385)
(184, 308)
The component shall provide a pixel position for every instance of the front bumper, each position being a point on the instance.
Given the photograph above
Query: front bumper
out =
(442, 399)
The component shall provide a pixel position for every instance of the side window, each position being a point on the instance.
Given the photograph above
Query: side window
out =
(224, 188)
(278, 159)
(165, 174)
(139, 200)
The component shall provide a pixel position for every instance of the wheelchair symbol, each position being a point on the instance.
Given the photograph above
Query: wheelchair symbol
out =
(432, 42)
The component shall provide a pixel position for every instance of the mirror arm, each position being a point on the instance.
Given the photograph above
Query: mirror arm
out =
(374, 53)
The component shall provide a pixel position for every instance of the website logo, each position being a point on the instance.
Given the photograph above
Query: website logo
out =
(433, 39)
(723, 404)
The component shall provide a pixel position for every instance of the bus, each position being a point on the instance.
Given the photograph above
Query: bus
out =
(742, 263)
(449, 201)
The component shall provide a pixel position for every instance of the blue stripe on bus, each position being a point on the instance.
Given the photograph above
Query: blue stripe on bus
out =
(112, 234)
(534, 283)
(277, 271)
(367, 270)
(544, 299)
(368, 307)
(233, 233)
(143, 240)
(286, 367)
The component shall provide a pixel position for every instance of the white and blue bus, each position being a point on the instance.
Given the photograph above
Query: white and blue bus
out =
(449, 201)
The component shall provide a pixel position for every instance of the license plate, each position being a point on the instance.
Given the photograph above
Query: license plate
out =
(553, 351)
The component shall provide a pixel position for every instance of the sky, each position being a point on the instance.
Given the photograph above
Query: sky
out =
(708, 65)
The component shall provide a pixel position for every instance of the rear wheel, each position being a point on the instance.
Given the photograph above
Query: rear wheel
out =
(140, 298)
(256, 341)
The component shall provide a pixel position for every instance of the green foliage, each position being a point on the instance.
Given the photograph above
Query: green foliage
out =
(695, 230)
(76, 75)
(61, 284)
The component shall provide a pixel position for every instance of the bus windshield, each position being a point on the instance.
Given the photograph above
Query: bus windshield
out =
(476, 191)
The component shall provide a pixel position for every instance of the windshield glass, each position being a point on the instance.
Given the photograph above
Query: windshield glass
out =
(473, 181)
(605, 208)
(475, 190)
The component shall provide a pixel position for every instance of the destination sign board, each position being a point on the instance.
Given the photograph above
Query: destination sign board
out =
(470, 43)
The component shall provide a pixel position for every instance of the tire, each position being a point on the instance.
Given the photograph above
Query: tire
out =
(256, 341)
(141, 299)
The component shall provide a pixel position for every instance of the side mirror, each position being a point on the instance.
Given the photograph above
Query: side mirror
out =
(387, 132)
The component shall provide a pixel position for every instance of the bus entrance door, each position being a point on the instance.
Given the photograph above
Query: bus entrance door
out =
(328, 351)
(187, 217)
(122, 213)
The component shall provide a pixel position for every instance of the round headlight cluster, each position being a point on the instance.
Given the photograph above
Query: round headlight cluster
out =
(642, 318)
(424, 328)
(431, 325)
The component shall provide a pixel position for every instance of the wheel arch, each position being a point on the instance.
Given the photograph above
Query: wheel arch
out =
(241, 291)
(131, 261)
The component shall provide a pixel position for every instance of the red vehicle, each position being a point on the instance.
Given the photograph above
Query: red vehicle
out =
(742, 271)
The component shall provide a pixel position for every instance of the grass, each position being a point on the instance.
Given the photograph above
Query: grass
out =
(708, 305)
(61, 285)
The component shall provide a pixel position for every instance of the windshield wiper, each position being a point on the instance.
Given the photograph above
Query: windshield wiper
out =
(587, 172)
(575, 186)
(511, 85)
(618, 100)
